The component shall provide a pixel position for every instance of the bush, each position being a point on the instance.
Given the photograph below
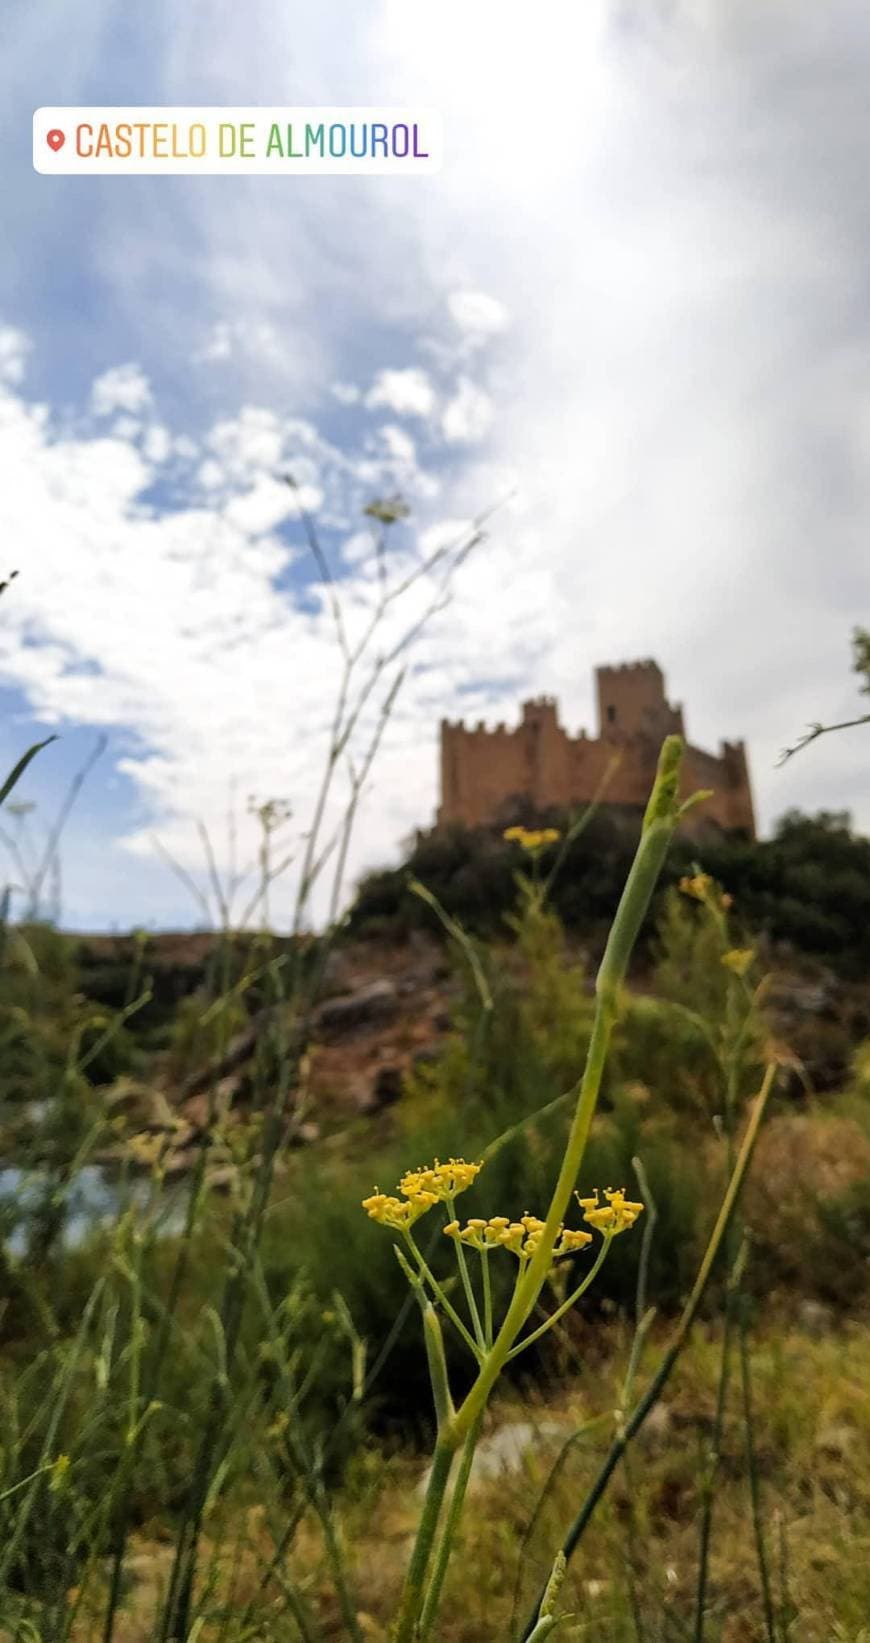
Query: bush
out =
(807, 888)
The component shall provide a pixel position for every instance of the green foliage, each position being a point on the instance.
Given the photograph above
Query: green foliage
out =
(130, 1332)
(201, 1029)
(807, 888)
(39, 1012)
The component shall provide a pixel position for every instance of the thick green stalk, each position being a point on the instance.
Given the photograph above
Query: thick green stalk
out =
(445, 1545)
(415, 1580)
(659, 825)
(660, 822)
(437, 1365)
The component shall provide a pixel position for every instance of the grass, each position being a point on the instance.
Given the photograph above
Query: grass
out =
(323, 1296)
(813, 1443)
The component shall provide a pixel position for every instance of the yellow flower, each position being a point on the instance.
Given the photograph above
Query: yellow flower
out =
(532, 839)
(615, 1216)
(512, 1237)
(570, 1241)
(739, 959)
(703, 888)
(420, 1189)
(521, 1238)
(442, 1181)
(698, 886)
(496, 1233)
(398, 1213)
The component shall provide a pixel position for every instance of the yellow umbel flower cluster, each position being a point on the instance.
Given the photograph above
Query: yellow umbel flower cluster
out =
(421, 1188)
(701, 887)
(399, 1213)
(698, 886)
(520, 1237)
(617, 1215)
(532, 839)
(444, 1181)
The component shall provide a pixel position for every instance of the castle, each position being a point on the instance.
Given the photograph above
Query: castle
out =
(490, 776)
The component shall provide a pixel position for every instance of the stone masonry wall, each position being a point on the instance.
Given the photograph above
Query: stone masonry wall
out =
(485, 773)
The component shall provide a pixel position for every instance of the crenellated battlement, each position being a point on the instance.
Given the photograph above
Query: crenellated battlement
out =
(486, 773)
(647, 665)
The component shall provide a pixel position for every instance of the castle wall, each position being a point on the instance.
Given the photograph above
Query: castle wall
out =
(486, 773)
(632, 702)
(480, 769)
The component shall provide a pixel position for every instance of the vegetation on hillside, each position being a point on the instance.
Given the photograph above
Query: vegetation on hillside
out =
(115, 1349)
(216, 1399)
(806, 889)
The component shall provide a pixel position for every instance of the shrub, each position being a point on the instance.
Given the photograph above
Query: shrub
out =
(806, 888)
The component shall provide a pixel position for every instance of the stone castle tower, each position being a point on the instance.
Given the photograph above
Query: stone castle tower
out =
(488, 775)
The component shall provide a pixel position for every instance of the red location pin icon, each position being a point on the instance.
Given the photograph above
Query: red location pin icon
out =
(55, 140)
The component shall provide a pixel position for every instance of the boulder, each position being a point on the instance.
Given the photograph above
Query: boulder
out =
(377, 1002)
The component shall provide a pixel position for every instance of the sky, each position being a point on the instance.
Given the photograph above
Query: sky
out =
(628, 321)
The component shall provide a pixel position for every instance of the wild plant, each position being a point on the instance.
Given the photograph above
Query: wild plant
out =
(535, 1244)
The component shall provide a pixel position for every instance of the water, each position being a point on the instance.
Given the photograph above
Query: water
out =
(93, 1200)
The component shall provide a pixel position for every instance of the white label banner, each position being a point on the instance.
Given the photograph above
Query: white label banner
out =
(274, 142)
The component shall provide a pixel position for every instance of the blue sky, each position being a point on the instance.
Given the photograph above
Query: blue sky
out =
(635, 298)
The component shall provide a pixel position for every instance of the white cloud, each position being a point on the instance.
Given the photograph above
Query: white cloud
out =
(157, 444)
(121, 388)
(479, 316)
(346, 393)
(218, 345)
(468, 416)
(14, 348)
(398, 445)
(265, 505)
(407, 392)
(230, 338)
(210, 474)
(253, 439)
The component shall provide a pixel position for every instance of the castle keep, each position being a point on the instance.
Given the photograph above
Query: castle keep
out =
(490, 776)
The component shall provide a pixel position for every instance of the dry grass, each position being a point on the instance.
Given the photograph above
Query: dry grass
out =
(812, 1397)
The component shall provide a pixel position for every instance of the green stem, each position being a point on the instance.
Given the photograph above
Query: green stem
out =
(626, 925)
(413, 1591)
(482, 1338)
(754, 1482)
(437, 1364)
(440, 1296)
(445, 1545)
(709, 1477)
(660, 822)
(566, 1305)
(487, 1298)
